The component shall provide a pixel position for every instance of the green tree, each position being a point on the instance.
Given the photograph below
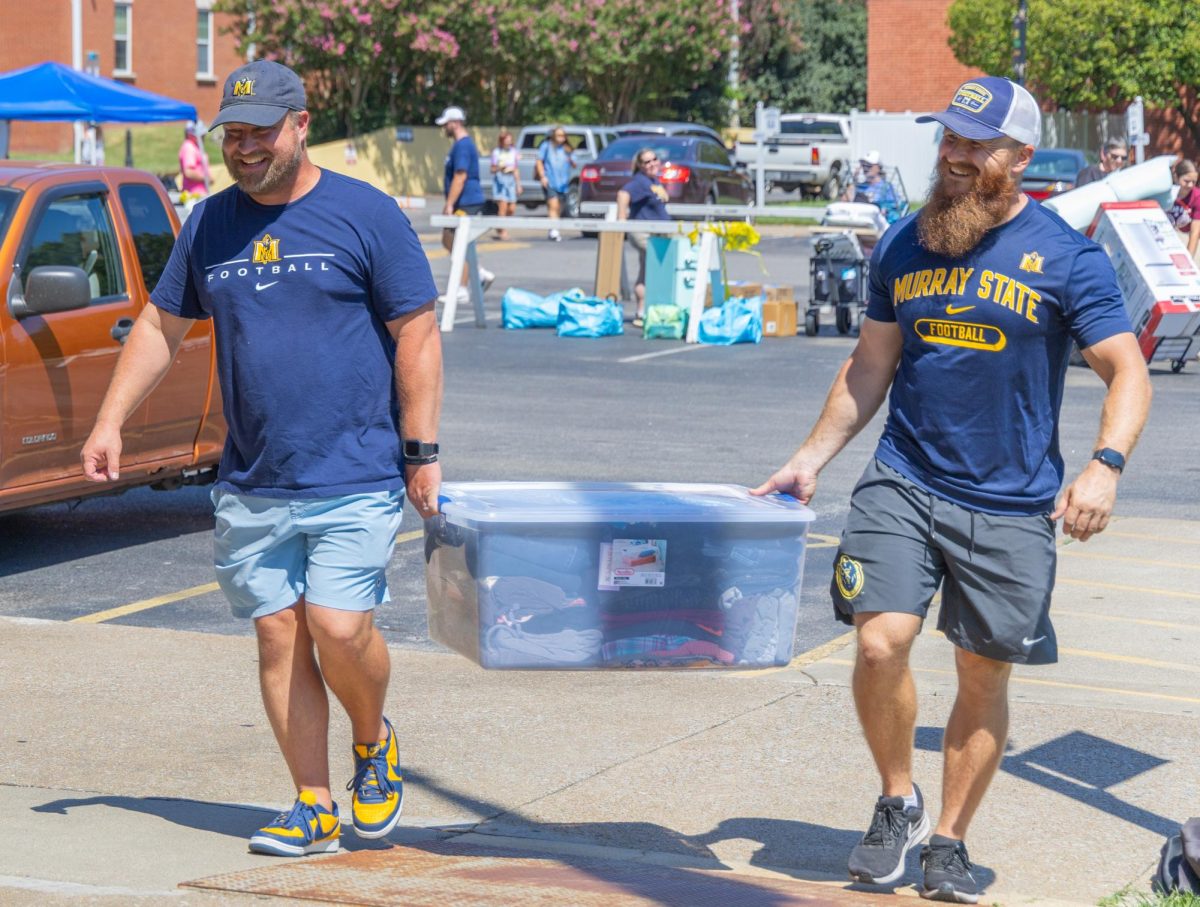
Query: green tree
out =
(1089, 53)
(809, 56)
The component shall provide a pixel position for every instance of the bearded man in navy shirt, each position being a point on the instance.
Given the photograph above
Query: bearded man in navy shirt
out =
(974, 303)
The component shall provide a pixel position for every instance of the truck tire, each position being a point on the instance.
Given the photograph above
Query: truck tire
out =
(832, 187)
(490, 208)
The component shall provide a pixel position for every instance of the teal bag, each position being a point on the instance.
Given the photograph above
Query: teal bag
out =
(590, 317)
(525, 309)
(737, 321)
(665, 322)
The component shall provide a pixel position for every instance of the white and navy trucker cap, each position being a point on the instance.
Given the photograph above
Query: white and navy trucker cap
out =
(990, 107)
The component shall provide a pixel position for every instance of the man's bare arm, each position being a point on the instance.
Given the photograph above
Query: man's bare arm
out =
(419, 389)
(147, 356)
(856, 395)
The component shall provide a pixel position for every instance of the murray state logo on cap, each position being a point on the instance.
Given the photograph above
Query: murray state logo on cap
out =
(973, 97)
(243, 88)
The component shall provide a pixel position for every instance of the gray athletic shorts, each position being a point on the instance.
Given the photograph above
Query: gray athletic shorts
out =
(901, 543)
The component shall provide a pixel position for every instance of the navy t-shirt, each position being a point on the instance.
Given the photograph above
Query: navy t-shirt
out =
(973, 411)
(464, 156)
(300, 295)
(644, 204)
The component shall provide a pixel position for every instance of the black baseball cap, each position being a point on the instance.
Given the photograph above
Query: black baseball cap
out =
(260, 94)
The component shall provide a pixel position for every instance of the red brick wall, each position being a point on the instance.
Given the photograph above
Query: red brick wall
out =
(163, 54)
(909, 63)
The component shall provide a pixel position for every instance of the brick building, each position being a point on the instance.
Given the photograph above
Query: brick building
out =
(178, 48)
(900, 78)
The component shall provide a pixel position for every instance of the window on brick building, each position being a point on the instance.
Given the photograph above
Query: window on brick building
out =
(204, 44)
(123, 37)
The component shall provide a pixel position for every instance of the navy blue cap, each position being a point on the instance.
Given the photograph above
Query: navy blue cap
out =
(990, 107)
(260, 94)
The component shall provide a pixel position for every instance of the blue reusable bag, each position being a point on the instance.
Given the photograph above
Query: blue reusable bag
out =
(525, 309)
(739, 320)
(590, 317)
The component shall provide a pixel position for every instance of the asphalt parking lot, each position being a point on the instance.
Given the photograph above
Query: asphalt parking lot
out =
(527, 405)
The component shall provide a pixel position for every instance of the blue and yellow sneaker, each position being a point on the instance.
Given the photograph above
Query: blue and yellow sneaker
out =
(307, 828)
(378, 786)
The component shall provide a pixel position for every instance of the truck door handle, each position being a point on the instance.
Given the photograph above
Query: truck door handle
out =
(120, 330)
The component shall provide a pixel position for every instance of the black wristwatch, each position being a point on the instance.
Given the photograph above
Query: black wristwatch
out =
(1110, 458)
(419, 453)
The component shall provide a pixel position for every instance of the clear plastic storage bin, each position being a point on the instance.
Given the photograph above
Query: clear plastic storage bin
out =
(608, 575)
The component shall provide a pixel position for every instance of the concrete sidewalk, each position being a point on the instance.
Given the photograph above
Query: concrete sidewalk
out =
(134, 761)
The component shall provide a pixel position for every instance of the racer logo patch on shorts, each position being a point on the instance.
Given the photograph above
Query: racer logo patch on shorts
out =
(849, 576)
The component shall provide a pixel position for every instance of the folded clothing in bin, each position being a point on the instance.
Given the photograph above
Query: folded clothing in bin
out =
(609, 575)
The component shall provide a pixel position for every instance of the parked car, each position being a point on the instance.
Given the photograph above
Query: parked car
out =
(695, 170)
(664, 127)
(811, 153)
(80, 248)
(1052, 170)
(586, 141)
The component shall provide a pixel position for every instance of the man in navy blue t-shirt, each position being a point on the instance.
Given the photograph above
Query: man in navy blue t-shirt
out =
(461, 185)
(330, 366)
(974, 303)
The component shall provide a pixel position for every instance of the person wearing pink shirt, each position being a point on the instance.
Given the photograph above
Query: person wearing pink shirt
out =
(193, 162)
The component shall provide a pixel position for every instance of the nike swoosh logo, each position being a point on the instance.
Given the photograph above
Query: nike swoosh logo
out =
(263, 286)
(958, 309)
(1027, 642)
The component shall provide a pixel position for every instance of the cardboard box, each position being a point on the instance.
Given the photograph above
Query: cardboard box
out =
(736, 288)
(779, 293)
(779, 319)
(608, 265)
(1157, 277)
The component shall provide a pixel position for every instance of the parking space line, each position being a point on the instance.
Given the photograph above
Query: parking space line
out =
(146, 604)
(1143, 621)
(1118, 587)
(823, 541)
(1061, 684)
(804, 659)
(1071, 552)
(671, 352)
(1171, 539)
(433, 254)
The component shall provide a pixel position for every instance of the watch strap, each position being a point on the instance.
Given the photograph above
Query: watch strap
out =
(1114, 459)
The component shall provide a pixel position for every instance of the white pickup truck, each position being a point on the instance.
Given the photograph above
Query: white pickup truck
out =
(587, 142)
(811, 153)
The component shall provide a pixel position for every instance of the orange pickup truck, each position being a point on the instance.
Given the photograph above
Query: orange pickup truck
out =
(80, 250)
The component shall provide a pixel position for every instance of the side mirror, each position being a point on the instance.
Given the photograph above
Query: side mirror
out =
(53, 288)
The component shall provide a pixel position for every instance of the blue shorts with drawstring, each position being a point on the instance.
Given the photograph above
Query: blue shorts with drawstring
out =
(996, 572)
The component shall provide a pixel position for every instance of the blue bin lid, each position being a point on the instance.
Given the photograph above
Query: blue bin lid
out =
(465, 503)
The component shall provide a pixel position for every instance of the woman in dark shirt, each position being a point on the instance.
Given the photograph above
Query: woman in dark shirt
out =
(642, 198)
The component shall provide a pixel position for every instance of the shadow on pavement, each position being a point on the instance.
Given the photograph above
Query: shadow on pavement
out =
(1079, 766)
(220, 818)
(60, 533)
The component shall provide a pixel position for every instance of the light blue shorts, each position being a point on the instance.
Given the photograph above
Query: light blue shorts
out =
(332, 551)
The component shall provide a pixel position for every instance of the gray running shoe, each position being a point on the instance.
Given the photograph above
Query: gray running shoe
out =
(879, 858)
(948, 872)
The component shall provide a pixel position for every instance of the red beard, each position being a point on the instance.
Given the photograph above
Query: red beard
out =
(953, 225)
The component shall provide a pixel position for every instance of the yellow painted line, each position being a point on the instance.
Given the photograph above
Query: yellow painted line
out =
(823, 541)
(1175, 565)
(1053, 683)
(1171, 539)
(802, 660)
(1170, 593)
(147, 603)
(1143, 621)
(434, 254)
(1108, 656)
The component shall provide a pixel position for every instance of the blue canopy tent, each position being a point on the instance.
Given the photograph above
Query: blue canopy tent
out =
(52, 91)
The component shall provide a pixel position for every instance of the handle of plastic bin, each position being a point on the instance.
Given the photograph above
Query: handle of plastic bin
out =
(787, 497)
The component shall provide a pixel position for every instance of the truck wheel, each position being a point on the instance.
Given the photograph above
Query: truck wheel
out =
(831, 188)
(812, 324)
(490, 208)
(571, 208)
(532, 206)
